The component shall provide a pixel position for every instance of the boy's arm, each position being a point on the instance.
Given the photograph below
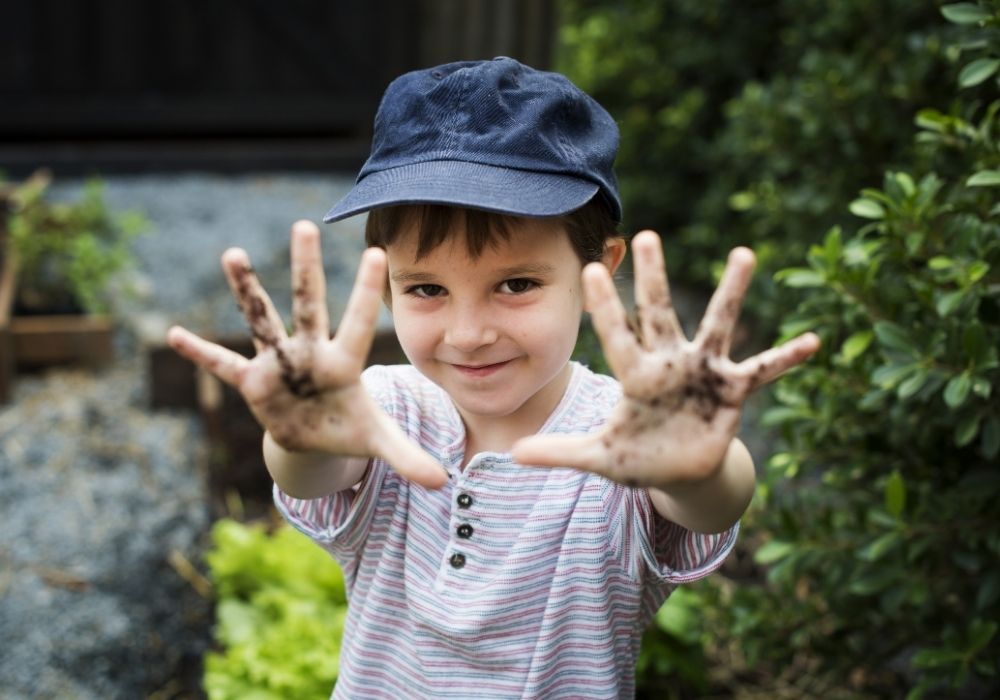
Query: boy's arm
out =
(311, 474)
(674, 430)
(714, 503)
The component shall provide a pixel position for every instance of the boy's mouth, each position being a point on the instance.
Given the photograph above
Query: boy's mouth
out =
(483, 370)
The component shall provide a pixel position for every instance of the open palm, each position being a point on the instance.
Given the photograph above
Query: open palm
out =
(305, 388)
(682, 398)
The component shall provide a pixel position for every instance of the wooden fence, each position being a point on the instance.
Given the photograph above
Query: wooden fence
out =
(120, 69)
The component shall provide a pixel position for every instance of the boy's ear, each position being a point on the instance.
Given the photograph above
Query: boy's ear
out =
(614, 253)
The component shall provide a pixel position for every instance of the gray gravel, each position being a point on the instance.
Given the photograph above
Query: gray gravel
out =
(96, 494)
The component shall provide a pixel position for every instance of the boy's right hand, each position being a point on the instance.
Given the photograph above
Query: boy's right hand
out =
(305, 388)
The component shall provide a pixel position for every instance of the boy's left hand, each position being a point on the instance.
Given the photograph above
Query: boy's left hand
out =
(682, 398)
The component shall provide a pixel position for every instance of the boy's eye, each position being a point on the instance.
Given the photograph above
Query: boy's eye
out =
(426, 291)
(517, 286)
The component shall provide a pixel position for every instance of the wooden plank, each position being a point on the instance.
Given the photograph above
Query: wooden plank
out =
(43, 341)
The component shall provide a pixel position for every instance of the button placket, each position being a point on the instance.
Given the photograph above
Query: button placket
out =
(463, 530)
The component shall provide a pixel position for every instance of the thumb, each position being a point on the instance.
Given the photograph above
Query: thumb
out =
(578, 451)
(407, 458)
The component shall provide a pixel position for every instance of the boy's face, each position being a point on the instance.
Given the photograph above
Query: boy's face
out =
(496, 332)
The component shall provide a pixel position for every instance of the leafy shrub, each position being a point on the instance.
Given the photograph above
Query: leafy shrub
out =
(69, 253)
(754, 122)
(879, 518)
(279, 618)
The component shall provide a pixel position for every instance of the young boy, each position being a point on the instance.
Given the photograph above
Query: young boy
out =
(508, 522)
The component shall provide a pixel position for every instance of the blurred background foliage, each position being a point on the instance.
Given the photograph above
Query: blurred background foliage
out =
(754, 121)
(854, 145)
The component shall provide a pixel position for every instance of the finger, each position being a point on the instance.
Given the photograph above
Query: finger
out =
(265, 323)
(407, 459)
(715, 333)
(657, 320)
(621, 348)
(578, 451)
(309, 313)
(768, 365)
(357, 327)
(222, 362)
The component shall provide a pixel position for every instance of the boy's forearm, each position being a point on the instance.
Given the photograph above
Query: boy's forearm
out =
(311, 474)
(714, 504)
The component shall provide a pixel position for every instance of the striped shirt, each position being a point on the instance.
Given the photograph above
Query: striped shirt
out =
(509, 582)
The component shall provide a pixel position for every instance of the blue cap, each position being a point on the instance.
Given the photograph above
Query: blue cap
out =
(492, 135)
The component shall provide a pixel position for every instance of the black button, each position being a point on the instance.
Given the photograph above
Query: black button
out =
(464, 500)
(457, 560)
(465, 531)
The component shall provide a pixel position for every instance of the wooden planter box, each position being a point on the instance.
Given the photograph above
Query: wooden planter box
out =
(36, 342)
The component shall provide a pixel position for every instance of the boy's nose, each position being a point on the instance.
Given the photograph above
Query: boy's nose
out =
(469, 329)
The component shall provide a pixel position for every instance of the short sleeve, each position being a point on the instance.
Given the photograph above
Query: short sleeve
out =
(648, 544)
(673, 553)
(340, 522)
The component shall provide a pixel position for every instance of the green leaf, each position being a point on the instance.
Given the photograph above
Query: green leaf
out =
(981, 387)
(895, 494)
(867, 209)
(888, 376)
(912, 384)
(856, 344)
(934, 658)
(965, 13)
(940, 262)
(932, 120)
(978, 71)
(905, 183)
(800, 277)
(967, 429)
(984, 178)
(948, 302)
(977, 271)
(957, 390)
(980, 633)
(879, 547)
(773, 551)
(784, 414)
(894, 337)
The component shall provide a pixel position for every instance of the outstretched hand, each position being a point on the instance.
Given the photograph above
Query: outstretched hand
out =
(305, 388)
(682, 398)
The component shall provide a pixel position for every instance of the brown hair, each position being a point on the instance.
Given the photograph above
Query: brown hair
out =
(588, 227)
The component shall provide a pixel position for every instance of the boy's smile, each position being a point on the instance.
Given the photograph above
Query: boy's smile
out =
(495, 332)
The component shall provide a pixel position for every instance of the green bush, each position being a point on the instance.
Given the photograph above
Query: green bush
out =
(754, 122)
(879, 514)
(875, 541)
(279, 616)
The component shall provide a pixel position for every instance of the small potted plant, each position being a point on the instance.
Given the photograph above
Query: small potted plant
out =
(61, 272)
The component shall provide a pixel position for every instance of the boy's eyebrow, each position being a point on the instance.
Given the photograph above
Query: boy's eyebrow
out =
(525, 269)
(414, 277)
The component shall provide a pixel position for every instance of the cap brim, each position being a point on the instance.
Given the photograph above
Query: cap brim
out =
(472, 185)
